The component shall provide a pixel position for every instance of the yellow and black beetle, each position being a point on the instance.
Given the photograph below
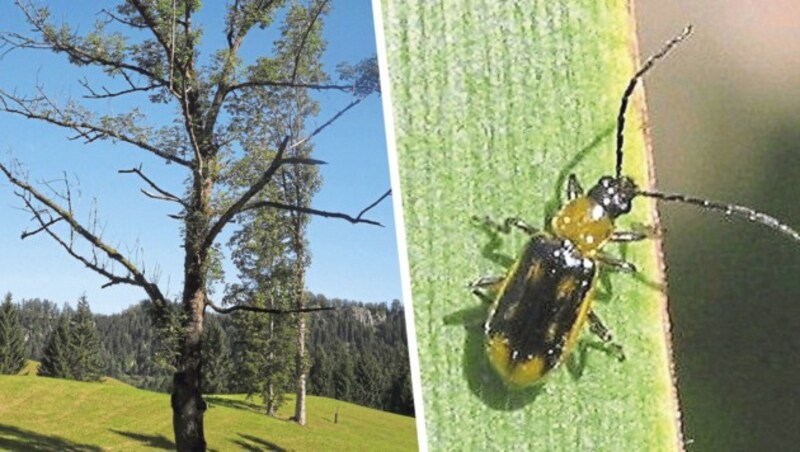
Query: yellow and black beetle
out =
(541, 304)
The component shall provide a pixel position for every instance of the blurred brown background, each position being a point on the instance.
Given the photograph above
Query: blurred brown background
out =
(725, 122)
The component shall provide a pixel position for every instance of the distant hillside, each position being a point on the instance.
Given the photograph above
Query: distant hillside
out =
(358, 352)
(51, 414)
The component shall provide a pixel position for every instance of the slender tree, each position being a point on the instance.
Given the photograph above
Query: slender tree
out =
(299, 186)
(277, 255)
(301, 364)
(262, 347)
(160, 58)
(12, 338)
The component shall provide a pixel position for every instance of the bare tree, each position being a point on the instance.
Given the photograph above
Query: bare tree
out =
(209, 137)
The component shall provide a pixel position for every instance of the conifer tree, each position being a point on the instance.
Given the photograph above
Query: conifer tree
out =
(215, 360)
(12, 338)
(38, 318)
(249, 353)
(271, 340)
(85, 355)
(56, 360)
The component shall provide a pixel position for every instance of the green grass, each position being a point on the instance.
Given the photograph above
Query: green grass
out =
(53, 414)
(494, 104)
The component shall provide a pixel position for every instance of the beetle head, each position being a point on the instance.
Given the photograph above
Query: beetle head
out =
(614, 194)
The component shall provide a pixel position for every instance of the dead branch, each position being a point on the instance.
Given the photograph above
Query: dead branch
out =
(26, 234)
(311, 211)
(289, 84)
(106, 94)
(136, 277)
(157, 196)
(165, 195)
(239, 307)
(91, 264)
(328, 122)
(378, 201)
(302, 161)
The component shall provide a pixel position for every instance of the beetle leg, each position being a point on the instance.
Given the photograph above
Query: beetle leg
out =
(628, 236)
(507, 224)
(597, 327)
(616, 263)
(485, 282)
(521, 225)
(640, 232)
(574, 188)
(484, 298)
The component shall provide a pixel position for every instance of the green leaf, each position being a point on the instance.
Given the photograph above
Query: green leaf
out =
(495, 103)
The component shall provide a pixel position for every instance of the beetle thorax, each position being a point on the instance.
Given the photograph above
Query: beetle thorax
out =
(585, 223)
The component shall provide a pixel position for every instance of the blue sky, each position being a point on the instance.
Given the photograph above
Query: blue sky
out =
(357, 262)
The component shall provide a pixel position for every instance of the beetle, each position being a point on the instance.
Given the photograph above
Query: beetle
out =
(541, 305)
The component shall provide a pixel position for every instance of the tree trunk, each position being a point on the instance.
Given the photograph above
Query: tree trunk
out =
(270, 387)
(270, 399)
(300, 358)
(300, 402)
(188, 405)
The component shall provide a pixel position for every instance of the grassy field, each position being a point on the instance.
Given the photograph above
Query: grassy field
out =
(49, 414)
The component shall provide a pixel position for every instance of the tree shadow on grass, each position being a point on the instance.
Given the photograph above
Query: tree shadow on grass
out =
(15, 438)
(157, 441)
(257, 444)
(237, 404)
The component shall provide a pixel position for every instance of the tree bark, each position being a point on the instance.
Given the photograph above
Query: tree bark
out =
(271, 400)
(300, 402)
(188, 406)
(300, 358)
(270, 387)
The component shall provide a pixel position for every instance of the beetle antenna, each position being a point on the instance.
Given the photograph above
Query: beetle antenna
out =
(632, 84)
(728, 210)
